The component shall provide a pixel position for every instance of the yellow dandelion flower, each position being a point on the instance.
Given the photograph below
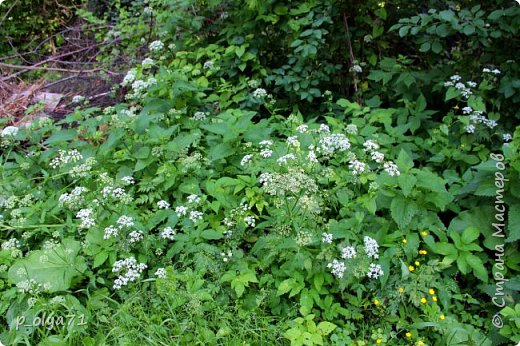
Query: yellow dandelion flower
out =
(431, 291)
(424, 233)
(423, 252)
(434, 298)
(442, 317)
(408, 335)
(405, 241)
(423, 300)
(401, 290)
(376, 302)
(417, 263)
(411, 268)
(378, 341)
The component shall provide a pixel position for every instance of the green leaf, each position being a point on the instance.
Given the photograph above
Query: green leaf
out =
(469, 235)
(406, 183)
(220, 151)
(325, 328)
(404, 161)
(430, 181)
(425, 47)
(513, 224)
(306, 303)
(478, 267)
(285, 286)
(404, 31)
(436, 47)
(54, 267)
(451, 94)
(211, 234)
(402, 211)
(62, 136)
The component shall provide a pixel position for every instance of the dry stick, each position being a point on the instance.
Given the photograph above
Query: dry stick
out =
(350, 49)
(36, 66)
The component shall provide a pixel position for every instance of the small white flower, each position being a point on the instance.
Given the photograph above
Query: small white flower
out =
(470, 128)
(496, 71)
(265, 153)
(370, 145)
(259, 93)
(110, 232)
(250, 221)
(471, 84)
(156, 46)
(168, 233)
(78, 99)
(302, 128)
(326, 238)
(348, 252)
(371, 247)
(448, 84)
(293, 141)
(337, 268)
(135, 236)
(199, 116)
(195, 215)
(147, 63)
(193, 199)
(351, 129)
(486, 70)
(161, 273)
(283, 160)
(246, 159)
(208, 65)
(377, 156)
(125, 221)
(357, 167)
(162, 204)
(128, 180)
(507, 137)
(467, 110)
(391, 168)
(266, 143)
(9, 131)
(375, 271)
(181, 210)
(357, 69)
(455, 78)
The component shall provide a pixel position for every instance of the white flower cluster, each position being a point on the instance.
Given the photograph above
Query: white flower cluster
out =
(160, 273)
(348, 252)
(29, 286)
(162, 204)
(156, 46)
(85, 215)
(147, 63)
(208, 65)
(65, 157)
(265, 148)
(74, 199)
(129, 271)
(117, 194)
(357, 167)
(477, 117)
(9, 131)
(129, 78)
(375, 271)
(326, 238)
(168, 233)
(128, 180)
(259, 93)
(294, 182)
(283, 159)
(337, 268)
(193, 215)
(226, 256)
(246, 159)
(11, 244)
(391, 168)
(250, 221)
(371, 247)
(199, 116)
(83, 170)
(465, 89)
(78, 99)
(329, 145)
(135, 237)
(494, 71)
(293, 141)
(507, 137)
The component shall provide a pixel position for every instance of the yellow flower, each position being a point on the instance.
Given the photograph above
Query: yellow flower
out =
(405, 241)
(417, 263)
(431, 291)
(408, 335)
(401, 290)
(434, 298)
(423, 252)
(424, 233)
(376, 302)
(423, 300)
(420, 343)
(378, 341)
(411, 268)
(442, 317)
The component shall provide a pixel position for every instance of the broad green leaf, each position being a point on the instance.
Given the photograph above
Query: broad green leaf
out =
(469, 235)
(513, 225)
(54, 267)
(403, 211)
(325, 328)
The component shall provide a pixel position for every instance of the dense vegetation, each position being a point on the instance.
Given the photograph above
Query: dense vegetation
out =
(278, 172)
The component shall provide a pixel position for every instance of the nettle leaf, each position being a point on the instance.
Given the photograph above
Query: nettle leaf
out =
(469, 235)
(403, 211)
(478, 267)
(404, 161)
(513, 223)
(406, 183)
(54, 267)
(430, 181)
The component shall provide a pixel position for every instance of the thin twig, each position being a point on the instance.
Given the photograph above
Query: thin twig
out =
(350, 48)
(7, 13)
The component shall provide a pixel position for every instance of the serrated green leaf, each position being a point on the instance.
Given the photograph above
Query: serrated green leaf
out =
(403, 211)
